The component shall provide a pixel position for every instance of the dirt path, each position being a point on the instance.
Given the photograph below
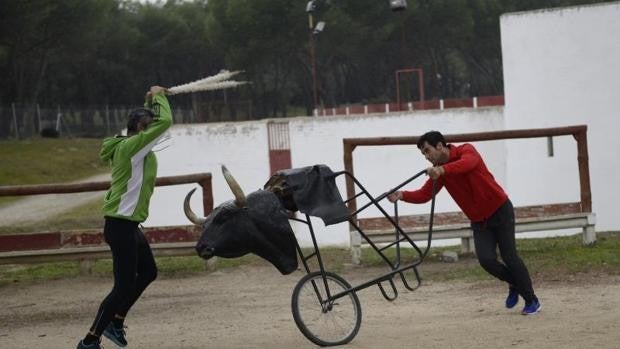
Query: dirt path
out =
(37, 208)
(249, 307)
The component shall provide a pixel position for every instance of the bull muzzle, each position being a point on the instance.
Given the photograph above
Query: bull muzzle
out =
(205, 252)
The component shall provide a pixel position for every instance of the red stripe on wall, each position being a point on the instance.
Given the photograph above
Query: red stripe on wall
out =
(29, 242)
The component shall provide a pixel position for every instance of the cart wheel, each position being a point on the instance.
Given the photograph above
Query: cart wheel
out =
(326, 323)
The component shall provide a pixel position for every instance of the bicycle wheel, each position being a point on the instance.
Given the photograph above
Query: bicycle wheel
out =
(326, 323)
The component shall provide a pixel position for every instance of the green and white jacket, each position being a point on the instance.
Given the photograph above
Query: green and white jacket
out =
(134, 166)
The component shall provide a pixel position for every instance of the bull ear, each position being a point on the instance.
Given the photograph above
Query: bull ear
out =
(240, 200)
(188, 210)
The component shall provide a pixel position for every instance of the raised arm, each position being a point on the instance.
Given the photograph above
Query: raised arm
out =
(145, 140)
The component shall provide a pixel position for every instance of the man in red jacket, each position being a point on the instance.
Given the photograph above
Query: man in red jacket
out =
(461, 170)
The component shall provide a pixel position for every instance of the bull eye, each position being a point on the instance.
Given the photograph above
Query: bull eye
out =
(220, 218)
(223, 215)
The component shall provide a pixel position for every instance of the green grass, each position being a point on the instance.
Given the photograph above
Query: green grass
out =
(547, 258)
(45, 160)
(553, 259)
(169, 267)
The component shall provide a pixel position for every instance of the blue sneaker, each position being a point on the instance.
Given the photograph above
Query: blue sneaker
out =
(513, 298)
(115, 334)
(531, 308)
(95, 345)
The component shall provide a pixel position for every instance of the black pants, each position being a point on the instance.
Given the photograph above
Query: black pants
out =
(499, 231)
(134, 269)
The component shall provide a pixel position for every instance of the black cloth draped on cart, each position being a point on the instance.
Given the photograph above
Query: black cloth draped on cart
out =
(311, 190)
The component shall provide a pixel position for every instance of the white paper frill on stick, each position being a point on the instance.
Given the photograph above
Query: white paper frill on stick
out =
(218, 81)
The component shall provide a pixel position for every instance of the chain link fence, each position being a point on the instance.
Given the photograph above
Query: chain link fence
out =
(25, 120)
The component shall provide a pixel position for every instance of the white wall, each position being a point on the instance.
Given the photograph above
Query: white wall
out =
(561, 68)
(243, 148)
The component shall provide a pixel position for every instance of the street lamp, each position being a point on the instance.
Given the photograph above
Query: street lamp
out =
(313, 30)
(401, 6)
(318, 28)
(398, 5)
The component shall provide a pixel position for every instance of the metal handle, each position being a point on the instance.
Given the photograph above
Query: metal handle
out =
(385, 295)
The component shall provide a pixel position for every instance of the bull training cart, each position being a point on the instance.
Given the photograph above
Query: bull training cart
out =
(325, 306)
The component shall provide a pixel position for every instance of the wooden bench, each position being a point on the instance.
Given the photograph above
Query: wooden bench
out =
(451, 225)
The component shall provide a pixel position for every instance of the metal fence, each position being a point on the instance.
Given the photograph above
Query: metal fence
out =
(25, 121)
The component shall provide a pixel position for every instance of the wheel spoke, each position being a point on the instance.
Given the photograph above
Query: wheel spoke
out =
(341, 320)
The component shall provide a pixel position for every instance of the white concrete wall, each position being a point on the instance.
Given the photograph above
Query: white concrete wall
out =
(243, 148)
(561, 68)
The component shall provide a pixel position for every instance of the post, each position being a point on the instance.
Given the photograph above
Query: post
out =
(348, 166)
(355, 238)
(584, 170)
(397, 89)
(313, 62)
(38, 119)
(211, 264)
(467, 245)
(86, 266)
(421, 86)
(58, 119)
(356, 247)
(207, 195)
(15, 121)
(107, 120)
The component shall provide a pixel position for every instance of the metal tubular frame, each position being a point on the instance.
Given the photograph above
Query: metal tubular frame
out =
(400, 236)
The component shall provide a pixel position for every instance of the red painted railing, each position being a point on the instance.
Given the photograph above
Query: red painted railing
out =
(82, 238)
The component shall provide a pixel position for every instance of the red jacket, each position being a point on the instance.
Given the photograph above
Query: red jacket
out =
(468, 181)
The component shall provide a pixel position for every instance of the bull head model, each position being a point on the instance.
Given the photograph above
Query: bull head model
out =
(255, 224)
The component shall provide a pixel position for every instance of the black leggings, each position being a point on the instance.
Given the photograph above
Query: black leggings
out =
(134, 269)
(499, 231)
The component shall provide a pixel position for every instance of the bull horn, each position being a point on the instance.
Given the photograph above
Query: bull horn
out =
(240, 200)
(188, 210)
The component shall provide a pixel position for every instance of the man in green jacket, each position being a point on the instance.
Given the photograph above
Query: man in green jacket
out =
(126, 205)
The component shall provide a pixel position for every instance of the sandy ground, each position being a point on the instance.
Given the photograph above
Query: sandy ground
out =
(249, 307)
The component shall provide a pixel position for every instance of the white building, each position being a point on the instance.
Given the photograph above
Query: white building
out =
(561, 68)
